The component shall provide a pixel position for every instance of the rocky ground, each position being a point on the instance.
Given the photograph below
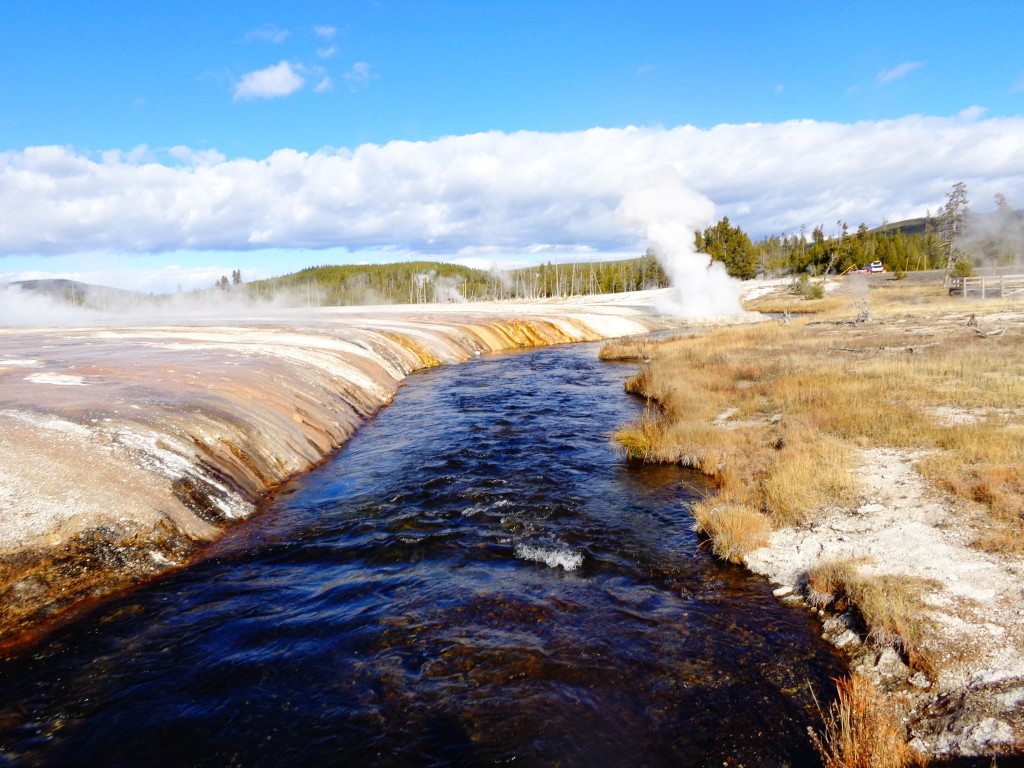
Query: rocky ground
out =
(969, 702)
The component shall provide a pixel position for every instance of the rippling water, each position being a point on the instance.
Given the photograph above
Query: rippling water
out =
(475, 579)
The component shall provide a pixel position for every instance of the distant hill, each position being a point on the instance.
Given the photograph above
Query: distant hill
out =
(986, 221)
(907, 227)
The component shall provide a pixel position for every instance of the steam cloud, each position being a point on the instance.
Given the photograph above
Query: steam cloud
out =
(666, 212)
(31, 309)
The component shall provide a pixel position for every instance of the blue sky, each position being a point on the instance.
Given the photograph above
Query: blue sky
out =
(243, 80)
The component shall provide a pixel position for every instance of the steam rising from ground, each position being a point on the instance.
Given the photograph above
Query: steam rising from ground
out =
(660, 208)
(23, 309)
(30, 309)
(996, 239)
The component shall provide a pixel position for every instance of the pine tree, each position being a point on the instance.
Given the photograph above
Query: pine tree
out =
(731, 246)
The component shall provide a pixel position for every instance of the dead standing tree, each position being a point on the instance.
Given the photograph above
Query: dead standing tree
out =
(952, 223)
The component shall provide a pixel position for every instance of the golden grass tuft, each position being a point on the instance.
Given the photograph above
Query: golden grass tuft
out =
(644, 438)
(632, 348)
(826, 583)
(861, 730)
(808, 473)
(733, 529)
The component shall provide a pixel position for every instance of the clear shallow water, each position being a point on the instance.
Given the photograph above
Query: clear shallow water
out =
(475, 579)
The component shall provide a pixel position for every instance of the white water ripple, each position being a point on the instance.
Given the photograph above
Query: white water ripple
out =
(552, 557)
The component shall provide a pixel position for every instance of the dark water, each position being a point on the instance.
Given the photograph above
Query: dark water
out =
(476, 579)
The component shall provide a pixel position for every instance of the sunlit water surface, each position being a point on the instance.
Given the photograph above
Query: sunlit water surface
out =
(476, 579)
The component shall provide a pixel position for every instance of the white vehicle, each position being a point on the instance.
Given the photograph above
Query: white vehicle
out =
(876, 266)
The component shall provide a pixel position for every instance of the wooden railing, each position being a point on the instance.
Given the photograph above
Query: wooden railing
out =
(989, 287)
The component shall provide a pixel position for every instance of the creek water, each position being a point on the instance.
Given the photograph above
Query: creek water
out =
(476, 578)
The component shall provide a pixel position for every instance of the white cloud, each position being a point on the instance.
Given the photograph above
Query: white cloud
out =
(898, 72)
(490, 194)
(360, 74)
(327, 33)
(279, 80)
(327, 53)
(268, 33)
(972, 113)
(324, 85)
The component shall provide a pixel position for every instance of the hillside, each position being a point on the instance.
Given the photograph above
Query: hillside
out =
(419, 282)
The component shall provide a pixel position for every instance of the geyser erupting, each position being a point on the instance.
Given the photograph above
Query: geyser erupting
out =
(660, 208)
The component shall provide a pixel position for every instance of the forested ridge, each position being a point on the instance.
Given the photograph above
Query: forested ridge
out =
(417, 282)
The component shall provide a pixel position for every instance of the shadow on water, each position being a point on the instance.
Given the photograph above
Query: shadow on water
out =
(476, 579)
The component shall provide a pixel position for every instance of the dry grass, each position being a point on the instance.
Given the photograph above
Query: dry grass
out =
(773, 412)
(890, 607)
(733, 529)
(862, 731)
(826, 584)
(645, 438)
(632, 348)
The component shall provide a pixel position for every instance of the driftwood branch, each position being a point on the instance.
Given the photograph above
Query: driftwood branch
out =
(863, 316)
(911, 348)
(990, 334)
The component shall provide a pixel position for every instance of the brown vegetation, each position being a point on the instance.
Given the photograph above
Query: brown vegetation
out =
(773, 412)
(861, 731)
(777, 414)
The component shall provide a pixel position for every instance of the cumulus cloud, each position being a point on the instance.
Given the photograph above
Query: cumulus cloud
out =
(496, 193)
(898, 72)
(273, 82)
(326, 32)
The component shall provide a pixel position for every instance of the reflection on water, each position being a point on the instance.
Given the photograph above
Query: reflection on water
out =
(476, 579)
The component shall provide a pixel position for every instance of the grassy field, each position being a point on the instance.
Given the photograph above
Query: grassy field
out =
(770, 412)
(777, 415)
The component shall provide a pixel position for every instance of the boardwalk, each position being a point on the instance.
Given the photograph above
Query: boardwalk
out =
(990, 287)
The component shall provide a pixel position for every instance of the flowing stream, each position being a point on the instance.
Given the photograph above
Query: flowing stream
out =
(476, 578)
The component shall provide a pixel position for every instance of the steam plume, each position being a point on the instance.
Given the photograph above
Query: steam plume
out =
(660, 208)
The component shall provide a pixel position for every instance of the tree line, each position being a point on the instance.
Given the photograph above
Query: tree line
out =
(952, 240)
(419, 282)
